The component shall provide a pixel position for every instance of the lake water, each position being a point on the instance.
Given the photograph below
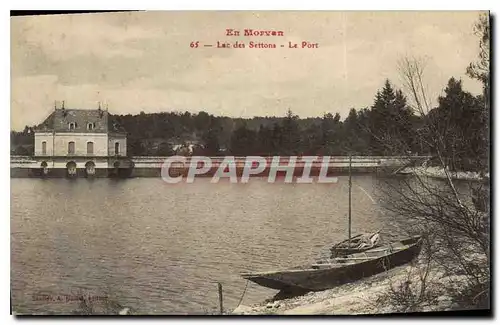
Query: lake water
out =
(160, 248)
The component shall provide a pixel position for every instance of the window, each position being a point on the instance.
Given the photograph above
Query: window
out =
(72, 125)
(44, 148)
(117, 148)
(90, 148)
(71, 148)
(90, 126)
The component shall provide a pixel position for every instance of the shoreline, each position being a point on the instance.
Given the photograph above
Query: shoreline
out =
(365, 296)
(439, 173)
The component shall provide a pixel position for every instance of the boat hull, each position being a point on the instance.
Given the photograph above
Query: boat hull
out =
(311, 279)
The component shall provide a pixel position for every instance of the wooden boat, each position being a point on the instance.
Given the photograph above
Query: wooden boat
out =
(324, 275)
(356, 244)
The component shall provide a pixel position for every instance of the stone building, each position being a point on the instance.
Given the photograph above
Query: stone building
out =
(80, 141)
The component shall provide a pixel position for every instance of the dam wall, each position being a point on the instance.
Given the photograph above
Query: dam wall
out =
(149, 166)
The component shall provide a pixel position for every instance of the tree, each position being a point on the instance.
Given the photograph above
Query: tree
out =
(165, 149)
(210, 138)
(390, 122)
(355, 133)
(243, 141)
(329, 139)
(350, 131)
(202, 120)
(21, 151)
(455, 230)
(458, 120)
(336, 136)
(264, 142)
(276, 140)
(135, 147)
(480, 69)
(290, 135)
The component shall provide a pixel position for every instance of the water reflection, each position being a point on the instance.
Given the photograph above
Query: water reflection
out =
(160, 248)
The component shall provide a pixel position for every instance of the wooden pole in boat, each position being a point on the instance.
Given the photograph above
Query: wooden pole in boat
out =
(221, 307)
(350, 185)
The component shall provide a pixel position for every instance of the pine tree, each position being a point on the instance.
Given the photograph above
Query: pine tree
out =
(290, 135)
(390, 123)
(458, 121)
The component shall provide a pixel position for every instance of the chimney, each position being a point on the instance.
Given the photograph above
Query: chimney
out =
(63, 109)
(99, 109)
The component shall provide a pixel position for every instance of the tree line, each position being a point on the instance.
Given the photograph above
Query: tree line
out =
(388, 127)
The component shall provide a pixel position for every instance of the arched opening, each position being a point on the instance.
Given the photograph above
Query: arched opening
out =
(90, 148)
(122, 168)
(44, 167)
(177, 165)
(117, 148)
(90, 168)
(44, 148)
(71, 148)
(71, 168)
(115, 170)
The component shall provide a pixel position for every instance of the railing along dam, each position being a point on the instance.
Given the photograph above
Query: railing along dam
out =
(150, 166)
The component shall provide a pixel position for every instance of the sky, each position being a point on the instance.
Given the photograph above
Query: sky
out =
(142, 61)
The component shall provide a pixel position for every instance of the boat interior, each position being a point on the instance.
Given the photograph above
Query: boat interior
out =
(370, 254)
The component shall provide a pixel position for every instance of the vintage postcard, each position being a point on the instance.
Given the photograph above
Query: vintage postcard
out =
(250, 163)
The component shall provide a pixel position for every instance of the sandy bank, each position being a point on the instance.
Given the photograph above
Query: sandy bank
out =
(361, 297)
(437, 172)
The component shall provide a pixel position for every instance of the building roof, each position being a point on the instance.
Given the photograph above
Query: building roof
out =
(61, 118)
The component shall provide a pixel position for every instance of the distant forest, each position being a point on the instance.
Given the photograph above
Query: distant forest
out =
(456, 130)
(388, 127)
